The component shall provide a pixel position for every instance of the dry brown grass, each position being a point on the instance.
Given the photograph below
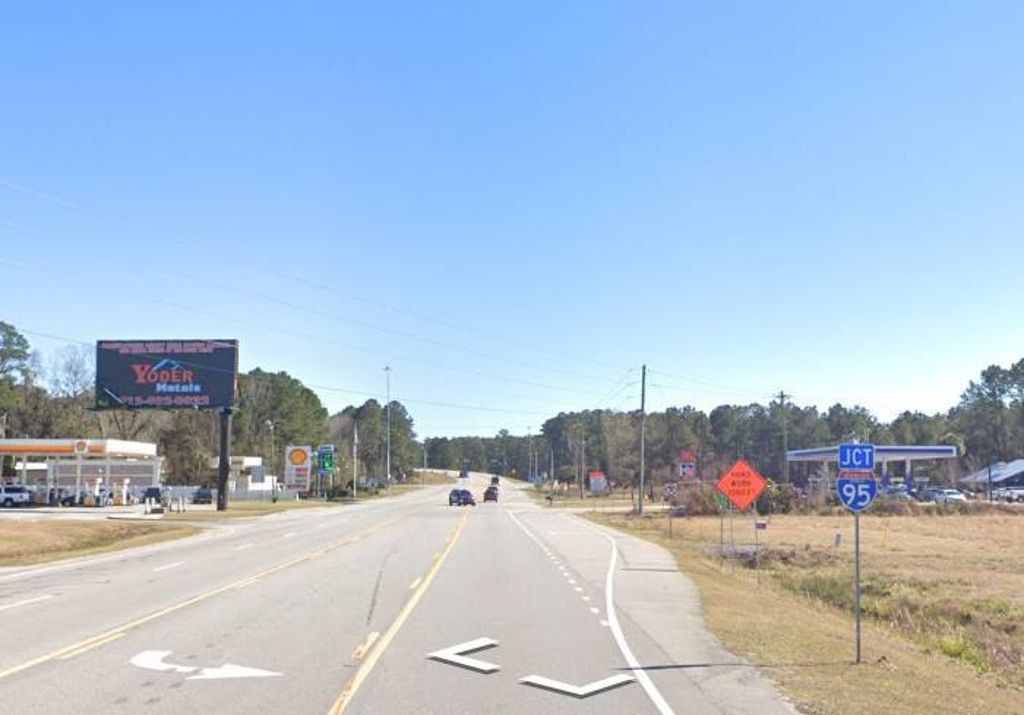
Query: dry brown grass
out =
(942, 593)
(24, 542)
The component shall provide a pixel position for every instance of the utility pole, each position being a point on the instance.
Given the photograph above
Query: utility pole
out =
(529, 453)
(643, 426)
(785, 438)
(551, 475)
(583, 457)
(424, 461)
(355, 458)
(387, 371)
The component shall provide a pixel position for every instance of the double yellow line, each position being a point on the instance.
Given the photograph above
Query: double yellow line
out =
(376, 649)
(115, 633)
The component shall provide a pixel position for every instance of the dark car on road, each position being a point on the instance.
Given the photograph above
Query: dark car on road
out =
(203, 495)
(495, 481)
(491, 494)
(461, 497)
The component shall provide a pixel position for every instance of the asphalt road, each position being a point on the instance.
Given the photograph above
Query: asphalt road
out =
(339, 610)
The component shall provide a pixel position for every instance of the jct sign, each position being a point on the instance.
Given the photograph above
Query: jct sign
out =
(856, 457)
(166, 374)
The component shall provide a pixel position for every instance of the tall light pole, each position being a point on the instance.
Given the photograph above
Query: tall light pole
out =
(387, 372)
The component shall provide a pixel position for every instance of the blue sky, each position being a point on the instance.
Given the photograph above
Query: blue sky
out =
(515, 205)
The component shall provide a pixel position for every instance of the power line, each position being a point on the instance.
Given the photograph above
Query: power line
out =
(350, 346)
(328, 388)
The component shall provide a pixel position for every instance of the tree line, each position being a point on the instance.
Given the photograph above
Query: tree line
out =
(53, 398)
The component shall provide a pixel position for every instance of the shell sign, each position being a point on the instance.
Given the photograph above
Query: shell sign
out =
(297, 462)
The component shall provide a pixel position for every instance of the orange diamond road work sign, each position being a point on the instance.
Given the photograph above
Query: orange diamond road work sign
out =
(742, 485)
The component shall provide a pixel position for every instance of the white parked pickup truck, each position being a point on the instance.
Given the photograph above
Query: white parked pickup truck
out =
(1008, 494)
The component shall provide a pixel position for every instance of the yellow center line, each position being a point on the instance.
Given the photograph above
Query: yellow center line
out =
(414, 584)
(117, 632)
(382, 644)
(358, 653)
(95, 644)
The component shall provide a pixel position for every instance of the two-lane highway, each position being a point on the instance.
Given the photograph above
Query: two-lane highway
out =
(367, 609)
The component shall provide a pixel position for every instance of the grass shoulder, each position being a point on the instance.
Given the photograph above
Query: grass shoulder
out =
(943, 600)
(26, 542)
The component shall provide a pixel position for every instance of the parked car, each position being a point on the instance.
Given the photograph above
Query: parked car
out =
(491, 494)
(15, 495)
(948, 496)
(203, 495)
(895, 492)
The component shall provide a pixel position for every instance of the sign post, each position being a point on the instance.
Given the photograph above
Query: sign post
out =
(857, 489)
(172, 375)
(325, 462)
(741, 485)
(297, 462)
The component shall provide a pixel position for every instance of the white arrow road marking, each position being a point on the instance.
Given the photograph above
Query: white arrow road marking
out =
(577, 691)
(230, 670)
(454, 655)
(154, 660)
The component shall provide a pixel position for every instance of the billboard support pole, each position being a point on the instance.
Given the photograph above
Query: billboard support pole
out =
(224, 464)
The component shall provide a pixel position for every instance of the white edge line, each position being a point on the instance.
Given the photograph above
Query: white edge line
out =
(613, 621)
(620, 639)
(26, 602)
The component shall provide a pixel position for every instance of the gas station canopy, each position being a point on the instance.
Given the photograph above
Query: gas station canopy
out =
(77, 448)
(883, 453)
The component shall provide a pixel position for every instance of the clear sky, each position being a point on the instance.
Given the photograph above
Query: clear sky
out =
(513, 205)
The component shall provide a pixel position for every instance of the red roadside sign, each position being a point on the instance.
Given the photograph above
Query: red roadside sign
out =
(742, 485)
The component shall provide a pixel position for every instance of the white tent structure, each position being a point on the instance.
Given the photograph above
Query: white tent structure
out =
(1001, 474)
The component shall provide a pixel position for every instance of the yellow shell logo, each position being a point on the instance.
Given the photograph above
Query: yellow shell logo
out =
(297, 456)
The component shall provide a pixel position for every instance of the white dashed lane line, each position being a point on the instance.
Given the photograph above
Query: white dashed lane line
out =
(26, 602)
(168, 567)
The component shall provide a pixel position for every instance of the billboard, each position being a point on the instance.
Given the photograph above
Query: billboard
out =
(166, 374)
(298, 463)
